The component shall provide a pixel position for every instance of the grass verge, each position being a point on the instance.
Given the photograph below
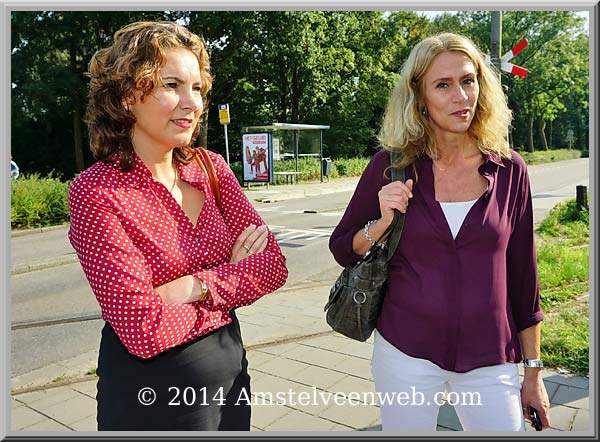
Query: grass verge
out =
(563, 265)
(548, 156)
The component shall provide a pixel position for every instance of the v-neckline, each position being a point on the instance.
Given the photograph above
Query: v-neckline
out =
(201, 188)
(439, 221)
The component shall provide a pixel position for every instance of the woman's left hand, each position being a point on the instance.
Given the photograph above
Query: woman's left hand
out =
(251, 241)
(533, 393)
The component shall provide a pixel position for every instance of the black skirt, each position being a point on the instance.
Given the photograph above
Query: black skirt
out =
(200, 385)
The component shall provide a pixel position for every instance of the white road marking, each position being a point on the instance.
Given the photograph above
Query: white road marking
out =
(296, 212)
(281, 232)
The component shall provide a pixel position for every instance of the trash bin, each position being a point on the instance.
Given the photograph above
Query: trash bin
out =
(326, 167)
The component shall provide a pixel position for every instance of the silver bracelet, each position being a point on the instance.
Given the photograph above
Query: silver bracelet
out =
(366, 230)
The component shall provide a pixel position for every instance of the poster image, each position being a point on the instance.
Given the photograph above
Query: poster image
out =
(256, 156)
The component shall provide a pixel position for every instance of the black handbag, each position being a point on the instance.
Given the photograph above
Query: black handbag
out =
(356, 298)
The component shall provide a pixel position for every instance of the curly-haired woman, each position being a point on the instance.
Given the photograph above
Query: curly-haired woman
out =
(168, 265)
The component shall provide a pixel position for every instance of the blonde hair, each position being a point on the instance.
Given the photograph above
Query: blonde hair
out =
(132, 64)
(407, 131)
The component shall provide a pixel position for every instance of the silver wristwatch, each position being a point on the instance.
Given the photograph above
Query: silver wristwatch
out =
(533, 363)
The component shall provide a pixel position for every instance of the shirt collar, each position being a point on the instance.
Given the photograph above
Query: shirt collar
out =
(493, 158)
(190, 173)
(135, 176)
(487, 157)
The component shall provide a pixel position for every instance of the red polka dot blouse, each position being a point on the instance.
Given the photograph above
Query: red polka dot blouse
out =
(131, 235)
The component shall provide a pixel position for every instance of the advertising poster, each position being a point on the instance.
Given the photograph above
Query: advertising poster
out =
(256, 157)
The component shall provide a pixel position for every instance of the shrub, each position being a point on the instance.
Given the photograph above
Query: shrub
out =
(38, 201)
(565, 219)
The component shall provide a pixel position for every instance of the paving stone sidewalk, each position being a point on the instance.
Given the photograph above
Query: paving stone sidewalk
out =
(307, 374)
(293, 353)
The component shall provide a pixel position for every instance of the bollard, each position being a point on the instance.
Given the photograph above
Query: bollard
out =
(581, 197)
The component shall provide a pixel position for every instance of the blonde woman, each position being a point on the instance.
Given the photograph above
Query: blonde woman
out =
(463, 303)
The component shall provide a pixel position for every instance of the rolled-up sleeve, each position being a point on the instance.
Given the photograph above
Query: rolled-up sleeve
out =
(363, 207)
(521, 260)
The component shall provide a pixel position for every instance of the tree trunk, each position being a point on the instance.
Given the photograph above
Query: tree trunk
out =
(77, 141)
(541, 124)
(202, 139)
(79, 162)
(530, 147)
(295, 94)
(282, 114)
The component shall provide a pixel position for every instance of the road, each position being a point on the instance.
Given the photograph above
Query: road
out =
(302, 227)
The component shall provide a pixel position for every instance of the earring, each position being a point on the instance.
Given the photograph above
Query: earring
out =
(424, 112)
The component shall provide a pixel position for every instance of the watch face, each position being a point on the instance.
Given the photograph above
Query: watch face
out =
(535, 363)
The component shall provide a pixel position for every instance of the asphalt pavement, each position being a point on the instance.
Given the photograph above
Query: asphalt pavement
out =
(323, 378)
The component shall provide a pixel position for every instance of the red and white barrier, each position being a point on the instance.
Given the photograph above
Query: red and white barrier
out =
(509, 67)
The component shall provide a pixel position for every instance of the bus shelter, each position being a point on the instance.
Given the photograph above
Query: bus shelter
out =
(264, 144)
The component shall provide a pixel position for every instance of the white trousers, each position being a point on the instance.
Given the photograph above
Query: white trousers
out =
(485, 399)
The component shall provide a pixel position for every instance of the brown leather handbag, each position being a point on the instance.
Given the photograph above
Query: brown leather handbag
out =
(207, 166)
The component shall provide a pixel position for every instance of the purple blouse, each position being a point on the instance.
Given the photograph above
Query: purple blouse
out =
(459, 303)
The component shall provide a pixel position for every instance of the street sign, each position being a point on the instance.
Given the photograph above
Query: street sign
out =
(224, 114)
(224, 120)
(570, 138)
(509, 67)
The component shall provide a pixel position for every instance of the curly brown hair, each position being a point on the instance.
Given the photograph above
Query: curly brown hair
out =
(132, 64)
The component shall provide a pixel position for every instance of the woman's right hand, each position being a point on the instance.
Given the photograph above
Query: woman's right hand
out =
(394, 196)
(251, 241)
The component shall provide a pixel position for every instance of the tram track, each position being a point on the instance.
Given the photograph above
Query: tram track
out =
(50, 322)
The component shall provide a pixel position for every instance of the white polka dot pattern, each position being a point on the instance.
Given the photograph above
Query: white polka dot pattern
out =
(131, 235)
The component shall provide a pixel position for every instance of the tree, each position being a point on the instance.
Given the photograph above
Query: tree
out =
(50, 54)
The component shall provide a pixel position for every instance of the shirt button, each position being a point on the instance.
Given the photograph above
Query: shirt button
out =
(197, 240)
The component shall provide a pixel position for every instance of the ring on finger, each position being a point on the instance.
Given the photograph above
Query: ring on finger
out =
(246, 247)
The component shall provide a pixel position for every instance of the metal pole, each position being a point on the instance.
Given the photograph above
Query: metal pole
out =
(496, 43)
(495, 48)
(321, 153)
(581, 199)
(296, 149)
(226, 145)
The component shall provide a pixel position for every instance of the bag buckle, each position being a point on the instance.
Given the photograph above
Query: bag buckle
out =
(363, 297)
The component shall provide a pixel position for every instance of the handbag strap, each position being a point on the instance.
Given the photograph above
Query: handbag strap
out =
(207, 166)
(398, 222)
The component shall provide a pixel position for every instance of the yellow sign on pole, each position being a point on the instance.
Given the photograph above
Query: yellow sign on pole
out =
(224, 113)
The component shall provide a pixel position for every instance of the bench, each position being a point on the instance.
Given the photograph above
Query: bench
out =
(289, 176)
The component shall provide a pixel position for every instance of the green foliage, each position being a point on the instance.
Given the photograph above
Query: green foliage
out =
(553, 98)
(562, 271)
(563, 266)
(348, 166)
(310, 168)
(567, 221)
(321, 67)
(38, 201)
(548, 156)
(565, 337)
